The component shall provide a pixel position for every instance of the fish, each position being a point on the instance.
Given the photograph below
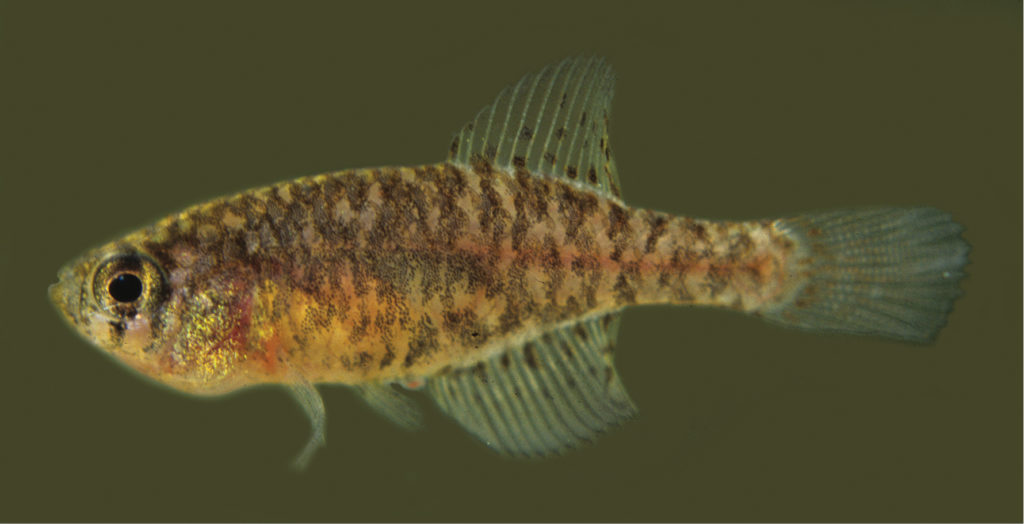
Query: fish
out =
(493, 281)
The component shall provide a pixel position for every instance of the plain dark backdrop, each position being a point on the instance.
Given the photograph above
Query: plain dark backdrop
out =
(115, 114)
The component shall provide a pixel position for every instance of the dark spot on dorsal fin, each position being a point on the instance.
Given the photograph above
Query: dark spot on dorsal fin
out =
(526, 133)
(549, 157)
(519, 162)
(615, 189)
(592, 175)
(560, 133)
(570, 171)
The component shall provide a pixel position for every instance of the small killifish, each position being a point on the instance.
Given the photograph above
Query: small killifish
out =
(495, 279)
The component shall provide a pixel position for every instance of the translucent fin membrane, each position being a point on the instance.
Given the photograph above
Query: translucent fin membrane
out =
(553, 122)
(313, 405)
(543, 397)
(888, 272)
(392, 404)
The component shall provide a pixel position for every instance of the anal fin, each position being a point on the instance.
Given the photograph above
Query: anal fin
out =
(541, 397)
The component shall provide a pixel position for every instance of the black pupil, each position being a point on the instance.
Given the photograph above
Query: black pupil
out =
(125, 287)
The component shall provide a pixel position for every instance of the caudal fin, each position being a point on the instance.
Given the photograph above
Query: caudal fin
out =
(888, 272)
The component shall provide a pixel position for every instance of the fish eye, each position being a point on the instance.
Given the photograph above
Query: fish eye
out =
(127, 284)
(125, 287)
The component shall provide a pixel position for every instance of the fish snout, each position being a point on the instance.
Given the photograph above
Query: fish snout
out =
(64, 293)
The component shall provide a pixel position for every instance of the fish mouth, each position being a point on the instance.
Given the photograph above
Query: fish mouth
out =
(62, 291)
(54, 292)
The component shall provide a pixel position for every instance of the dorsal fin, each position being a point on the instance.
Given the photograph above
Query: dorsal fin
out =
(554, 122)
(543, 396)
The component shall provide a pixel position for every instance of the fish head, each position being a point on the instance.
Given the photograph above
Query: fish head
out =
(124, 301)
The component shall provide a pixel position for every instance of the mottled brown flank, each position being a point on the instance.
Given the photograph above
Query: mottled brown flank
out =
(739, 248)
(398, 273)
(624, 290)
(424, 341)
(618, 221)
(481, 165)
(700, 232)
(389, 356)
(657, 230)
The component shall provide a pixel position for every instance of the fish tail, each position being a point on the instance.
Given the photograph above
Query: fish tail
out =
(889, 272)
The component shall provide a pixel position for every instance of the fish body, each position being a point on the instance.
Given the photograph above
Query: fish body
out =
(494, 278)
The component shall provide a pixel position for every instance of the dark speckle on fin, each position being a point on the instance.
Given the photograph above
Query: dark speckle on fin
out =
(544, 396)
(554, 123)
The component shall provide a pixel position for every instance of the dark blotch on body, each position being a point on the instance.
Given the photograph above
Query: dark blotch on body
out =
(424, 341)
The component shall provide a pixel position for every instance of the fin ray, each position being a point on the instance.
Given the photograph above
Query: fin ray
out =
(312, 404)
(553, 123)
(546, 420)
(391, 404)
(543, 396)
(888, 272)
(519, 414)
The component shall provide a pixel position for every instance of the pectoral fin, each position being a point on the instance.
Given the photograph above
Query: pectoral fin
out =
(392, 404)
(308, 397)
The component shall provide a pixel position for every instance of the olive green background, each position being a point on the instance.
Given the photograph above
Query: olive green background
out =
(115, 114)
